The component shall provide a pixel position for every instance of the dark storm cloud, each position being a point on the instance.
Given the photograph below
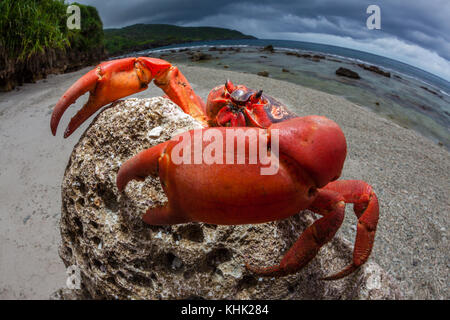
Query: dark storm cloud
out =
(425, 23)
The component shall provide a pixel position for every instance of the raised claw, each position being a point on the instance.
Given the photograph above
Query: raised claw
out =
(108, 82)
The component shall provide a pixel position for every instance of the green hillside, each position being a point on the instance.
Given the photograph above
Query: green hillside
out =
(145, 36)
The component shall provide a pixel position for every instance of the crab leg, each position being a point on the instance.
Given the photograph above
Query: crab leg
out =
(365, 206)
(144, 164)
(330, 203)
(332, 207)
(178, 89)
(116, 79)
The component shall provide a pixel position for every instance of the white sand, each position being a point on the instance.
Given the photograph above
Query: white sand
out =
(410, 174)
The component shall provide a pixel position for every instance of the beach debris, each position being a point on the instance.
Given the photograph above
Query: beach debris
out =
(347, 73)
(137, 261)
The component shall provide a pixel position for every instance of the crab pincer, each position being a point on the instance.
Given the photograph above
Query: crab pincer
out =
(117, 79)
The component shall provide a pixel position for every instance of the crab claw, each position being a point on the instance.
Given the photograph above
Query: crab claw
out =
(140, 166)
(106, 83)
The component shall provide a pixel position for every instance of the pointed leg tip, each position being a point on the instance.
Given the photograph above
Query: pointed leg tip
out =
(342, 274)
(125, 175)
(54, 124)
(67, 133)
(121, 182)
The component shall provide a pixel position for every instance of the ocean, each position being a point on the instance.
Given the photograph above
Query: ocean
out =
(411, 97)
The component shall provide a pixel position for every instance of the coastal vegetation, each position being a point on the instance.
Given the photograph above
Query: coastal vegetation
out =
(30, 27)
(145, 36)
(35, 40)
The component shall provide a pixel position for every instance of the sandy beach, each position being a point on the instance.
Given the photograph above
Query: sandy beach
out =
(410, 174)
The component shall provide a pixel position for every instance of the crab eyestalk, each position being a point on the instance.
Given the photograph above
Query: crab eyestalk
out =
(255, 97)
(229, 86)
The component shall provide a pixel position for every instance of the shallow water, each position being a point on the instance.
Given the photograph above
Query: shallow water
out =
(411, 102)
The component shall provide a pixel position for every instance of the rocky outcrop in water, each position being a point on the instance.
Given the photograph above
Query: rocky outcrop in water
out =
(269, 48)
(344, 72)
(375, 69)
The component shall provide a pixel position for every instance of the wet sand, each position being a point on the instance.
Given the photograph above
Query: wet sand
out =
(410, 174)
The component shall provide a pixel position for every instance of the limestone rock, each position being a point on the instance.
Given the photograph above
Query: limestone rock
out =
(121, 257)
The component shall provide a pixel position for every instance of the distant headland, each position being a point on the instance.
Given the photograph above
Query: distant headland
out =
(147, 36)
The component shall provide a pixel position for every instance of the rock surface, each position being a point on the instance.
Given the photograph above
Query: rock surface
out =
(121, 257)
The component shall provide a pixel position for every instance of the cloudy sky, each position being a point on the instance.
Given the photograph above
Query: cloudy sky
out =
(415, 32)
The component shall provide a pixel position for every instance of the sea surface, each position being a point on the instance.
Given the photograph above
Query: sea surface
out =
(411, 97)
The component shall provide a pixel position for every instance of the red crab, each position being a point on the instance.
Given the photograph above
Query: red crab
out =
(311, 156)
